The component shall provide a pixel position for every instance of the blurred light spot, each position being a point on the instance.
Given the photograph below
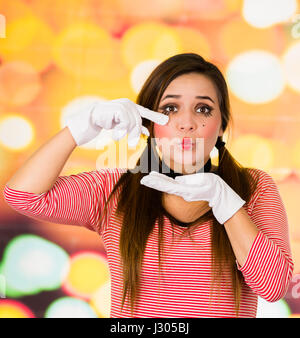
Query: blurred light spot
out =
(84, 50)
(88, 272)
(210, 10)
(255, 76)
(193, 41)
(279, 309)
(141, 72)
(134, 11)
(291, 66)
(28, 39)
(289, 192)
(265, 13)
(14, 309)
(19, 83)
(253, 151)
(68, 307)
(101, 301)
(149, 40)
(16, 132)
(32, 264)
(296, 154)
(268, 39)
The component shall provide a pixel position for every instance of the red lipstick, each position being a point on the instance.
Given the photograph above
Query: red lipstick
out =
(186, 143)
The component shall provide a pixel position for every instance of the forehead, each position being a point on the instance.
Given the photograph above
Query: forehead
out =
(192, 83)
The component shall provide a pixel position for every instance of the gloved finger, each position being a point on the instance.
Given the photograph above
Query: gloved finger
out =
(118, 134)
(158, 186)
(135, 133)
(162, 177)
(192, 179)
(145, 131)
(154, 116)
(125, 122)
(125, 117)
(162, 184)
(134, 137)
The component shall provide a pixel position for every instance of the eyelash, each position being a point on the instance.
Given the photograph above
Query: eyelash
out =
(201, 106)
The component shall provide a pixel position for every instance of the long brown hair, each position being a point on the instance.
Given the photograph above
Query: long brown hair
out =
(141, 206)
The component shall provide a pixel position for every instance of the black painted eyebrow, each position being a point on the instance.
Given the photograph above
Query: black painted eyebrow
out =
(197, 97)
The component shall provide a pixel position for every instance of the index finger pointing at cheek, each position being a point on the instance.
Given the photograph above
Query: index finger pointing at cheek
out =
(154, 116)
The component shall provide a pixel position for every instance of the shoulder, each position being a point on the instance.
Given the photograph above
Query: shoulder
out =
(264, 180)
(265, 185)
(110, 173)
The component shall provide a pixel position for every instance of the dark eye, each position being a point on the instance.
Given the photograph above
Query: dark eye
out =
(164, 108)
(206, 110)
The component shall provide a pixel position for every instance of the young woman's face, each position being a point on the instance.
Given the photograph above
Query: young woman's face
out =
(193, 114)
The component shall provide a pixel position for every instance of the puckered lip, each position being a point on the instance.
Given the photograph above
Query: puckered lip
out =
(187, 140)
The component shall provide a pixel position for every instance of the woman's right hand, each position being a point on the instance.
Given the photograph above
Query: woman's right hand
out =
(121, 115)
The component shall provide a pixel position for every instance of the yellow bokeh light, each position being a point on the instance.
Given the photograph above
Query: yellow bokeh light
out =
(253, 151)
(13, 309)
(134, 11)
(19, 83)
(291, 66)
(85, 50)
(193, 41)
(14, 9)
(59, 14)
(28, 39)
(210, 10)
(295, 315)
(295, 155)
(101, 301)
(149, 40)
(16, 132)
(230, 38)
(289, 192)
(295, 248)
(87, 273)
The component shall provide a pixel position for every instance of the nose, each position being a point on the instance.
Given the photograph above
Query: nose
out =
(186, 123)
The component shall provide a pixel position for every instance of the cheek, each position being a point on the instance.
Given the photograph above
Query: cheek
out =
(162, 131)
(211, 129)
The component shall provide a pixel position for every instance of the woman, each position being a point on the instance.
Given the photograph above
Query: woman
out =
(237, 246)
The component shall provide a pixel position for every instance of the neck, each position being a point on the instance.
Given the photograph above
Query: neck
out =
(206, 168)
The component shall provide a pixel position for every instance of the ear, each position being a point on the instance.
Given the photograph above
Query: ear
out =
(221, 132)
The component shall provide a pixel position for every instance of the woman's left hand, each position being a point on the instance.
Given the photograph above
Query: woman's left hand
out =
(223, 200)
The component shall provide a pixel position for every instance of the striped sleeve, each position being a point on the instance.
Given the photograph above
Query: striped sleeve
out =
(75, 200)
(269, 266)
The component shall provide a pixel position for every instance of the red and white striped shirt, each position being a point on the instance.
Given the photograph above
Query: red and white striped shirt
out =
(184, 289)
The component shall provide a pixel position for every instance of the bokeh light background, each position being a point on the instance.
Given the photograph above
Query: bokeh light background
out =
(55, 56)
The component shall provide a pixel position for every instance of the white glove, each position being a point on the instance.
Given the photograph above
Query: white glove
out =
(121, 115)
(223, 200)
